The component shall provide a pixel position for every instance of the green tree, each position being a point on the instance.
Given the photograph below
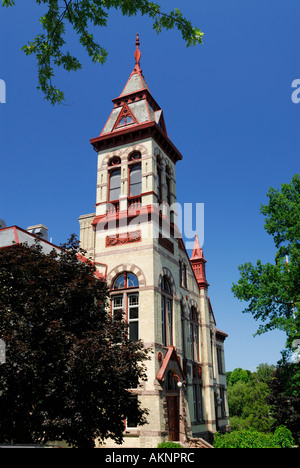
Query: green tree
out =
(237, 375)
(284, 396)
(248, 399)
(282, 438)
(49, 45)
(272, 290)
(68, 364)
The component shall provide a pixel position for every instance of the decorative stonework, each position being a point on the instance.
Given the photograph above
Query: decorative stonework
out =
(166, 272)
(122, 239)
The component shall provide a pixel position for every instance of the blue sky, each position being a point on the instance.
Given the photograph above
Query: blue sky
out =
(228, 109)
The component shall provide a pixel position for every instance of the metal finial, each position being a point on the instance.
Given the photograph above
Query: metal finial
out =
(137, 54)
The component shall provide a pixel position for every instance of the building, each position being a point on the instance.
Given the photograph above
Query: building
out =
(134, 238)
(12, 235)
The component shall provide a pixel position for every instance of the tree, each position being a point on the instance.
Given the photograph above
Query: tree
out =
(284, 396)
(69, 365)
(48, 46)
(272, 290)
(248, 398)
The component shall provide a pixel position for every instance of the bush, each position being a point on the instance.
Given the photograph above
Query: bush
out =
(169, 445)
(282, 438)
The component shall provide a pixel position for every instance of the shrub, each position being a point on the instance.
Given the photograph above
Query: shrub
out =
(282, 438)
(169, 445)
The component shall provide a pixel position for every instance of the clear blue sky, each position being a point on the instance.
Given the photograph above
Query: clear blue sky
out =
(228, 109)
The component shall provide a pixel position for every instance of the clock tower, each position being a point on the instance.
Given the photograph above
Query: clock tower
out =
(136, 245)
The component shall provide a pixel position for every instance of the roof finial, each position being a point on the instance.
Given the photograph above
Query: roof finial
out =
(137, 54)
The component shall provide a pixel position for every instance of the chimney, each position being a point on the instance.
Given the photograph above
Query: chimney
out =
(39, 230)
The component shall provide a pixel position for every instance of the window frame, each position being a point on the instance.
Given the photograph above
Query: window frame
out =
(166, 309)
(194, 335)
(125, 293)
(111, 171)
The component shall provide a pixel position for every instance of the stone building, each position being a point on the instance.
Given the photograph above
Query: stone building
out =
(134, 240)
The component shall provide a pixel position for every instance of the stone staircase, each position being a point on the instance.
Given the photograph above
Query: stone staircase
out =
(197, 443)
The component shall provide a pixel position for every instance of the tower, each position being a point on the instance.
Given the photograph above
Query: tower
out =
(134, 240)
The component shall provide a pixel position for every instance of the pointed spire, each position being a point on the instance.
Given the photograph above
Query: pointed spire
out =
(137, 54)
(198, 263)
(197, 250)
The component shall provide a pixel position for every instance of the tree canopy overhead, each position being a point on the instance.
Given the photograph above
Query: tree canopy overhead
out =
(49, 45)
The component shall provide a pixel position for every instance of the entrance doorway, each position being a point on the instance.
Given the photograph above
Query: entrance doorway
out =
(173, 416)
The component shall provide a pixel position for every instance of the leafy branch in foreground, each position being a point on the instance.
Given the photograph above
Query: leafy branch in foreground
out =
(81, 14)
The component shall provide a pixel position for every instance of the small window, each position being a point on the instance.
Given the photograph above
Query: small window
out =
(133, 316)
(114, 161)
(126, 118)
(134, 156)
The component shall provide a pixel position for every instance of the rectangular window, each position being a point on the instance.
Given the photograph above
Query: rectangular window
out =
(198, 407)
(133, 407)
(170, 334)
(133, 316)
(114, 184)
(220, 361)
(196, 343)
(159, 192)
(169, 191)
(135, 180)
(163, 321)
(117, 304)
(183, 338)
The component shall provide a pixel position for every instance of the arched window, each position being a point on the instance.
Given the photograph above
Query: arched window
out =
(125, 299)
(135, 156)
(182, 274)
(114, 161)
(166, 312)
(126, 280)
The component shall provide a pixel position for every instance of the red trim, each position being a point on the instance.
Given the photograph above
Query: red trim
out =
(135, 133)
(16, 228)
(125, 112)
(170, 356)
(16, 235)
(97, 273)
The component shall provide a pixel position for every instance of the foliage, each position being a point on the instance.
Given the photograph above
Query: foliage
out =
(48, 46)
(248, 398)
(272, 290)
(68, 364)
(236, 375)
(282, 438)
(284, 396)
(169, 445)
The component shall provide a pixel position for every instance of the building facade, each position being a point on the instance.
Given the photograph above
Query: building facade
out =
(135, 243)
